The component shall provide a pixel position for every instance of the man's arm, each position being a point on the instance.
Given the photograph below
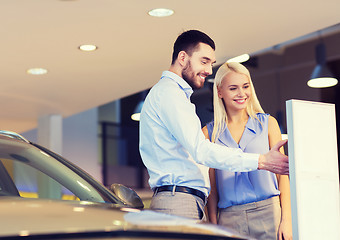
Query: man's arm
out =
(179, 116)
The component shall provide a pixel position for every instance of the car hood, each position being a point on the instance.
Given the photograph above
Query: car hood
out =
(27, 217)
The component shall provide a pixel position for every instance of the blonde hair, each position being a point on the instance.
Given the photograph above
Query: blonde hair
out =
(220, 114)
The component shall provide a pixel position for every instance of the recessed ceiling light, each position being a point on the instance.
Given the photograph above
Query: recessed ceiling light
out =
(36, 71)
(240, 59)
(161, 12)
(87, 47)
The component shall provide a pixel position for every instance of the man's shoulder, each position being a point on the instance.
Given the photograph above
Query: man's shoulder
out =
(165, 86)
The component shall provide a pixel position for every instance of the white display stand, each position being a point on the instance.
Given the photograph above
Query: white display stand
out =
(314, 173)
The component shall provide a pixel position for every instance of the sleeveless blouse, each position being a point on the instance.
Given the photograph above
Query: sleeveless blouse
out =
(236, 188)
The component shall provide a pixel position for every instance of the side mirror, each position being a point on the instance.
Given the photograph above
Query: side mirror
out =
(127, 195)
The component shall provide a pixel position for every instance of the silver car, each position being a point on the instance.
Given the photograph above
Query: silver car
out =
(44, 196)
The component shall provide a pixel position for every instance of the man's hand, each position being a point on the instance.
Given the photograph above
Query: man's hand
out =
(274, 161)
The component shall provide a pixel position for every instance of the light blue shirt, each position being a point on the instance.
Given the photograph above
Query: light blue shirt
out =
(172, 144)
(235, 188)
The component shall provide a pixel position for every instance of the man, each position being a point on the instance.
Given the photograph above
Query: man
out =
(172, 145)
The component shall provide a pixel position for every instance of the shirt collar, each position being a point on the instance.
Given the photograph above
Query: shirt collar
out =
(248, 134)
(251, 125)
(180, 81)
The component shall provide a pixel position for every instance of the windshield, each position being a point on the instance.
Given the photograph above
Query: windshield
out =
(28, 171)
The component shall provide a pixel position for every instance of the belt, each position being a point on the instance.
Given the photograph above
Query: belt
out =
(182, 189)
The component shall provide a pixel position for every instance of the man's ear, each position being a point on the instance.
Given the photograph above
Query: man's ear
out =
(182, 58)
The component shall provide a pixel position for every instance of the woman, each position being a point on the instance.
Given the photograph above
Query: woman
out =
(255, 203)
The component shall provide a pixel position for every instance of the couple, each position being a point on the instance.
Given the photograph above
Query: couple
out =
(250, 190)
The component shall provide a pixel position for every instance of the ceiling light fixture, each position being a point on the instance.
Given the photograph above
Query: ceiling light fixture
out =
(321, 77)
(284, 136)
(161, 12)
(322, 82)
(36, 71)
(240, 59)
(88, 47)
(136, 113)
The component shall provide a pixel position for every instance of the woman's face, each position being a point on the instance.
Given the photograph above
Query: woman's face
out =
(235, 91)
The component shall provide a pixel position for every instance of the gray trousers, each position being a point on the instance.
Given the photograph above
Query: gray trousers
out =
(179, 204)
(259, 220)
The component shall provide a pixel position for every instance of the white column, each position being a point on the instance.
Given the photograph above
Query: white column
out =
(50, 136)
(50, 132)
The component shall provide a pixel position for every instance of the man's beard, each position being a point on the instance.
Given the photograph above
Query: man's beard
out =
(189, 76)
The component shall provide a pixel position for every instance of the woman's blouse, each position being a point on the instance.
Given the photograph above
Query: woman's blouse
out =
(235, 188)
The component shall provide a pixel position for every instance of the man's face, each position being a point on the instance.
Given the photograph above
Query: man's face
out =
(199, 66)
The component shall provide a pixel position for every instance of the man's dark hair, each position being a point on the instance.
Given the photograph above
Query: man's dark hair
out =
(188, 41)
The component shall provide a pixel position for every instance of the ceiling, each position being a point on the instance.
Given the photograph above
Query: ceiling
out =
(133, 47)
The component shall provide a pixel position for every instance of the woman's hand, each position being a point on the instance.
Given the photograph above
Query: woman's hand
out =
(285, 230)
